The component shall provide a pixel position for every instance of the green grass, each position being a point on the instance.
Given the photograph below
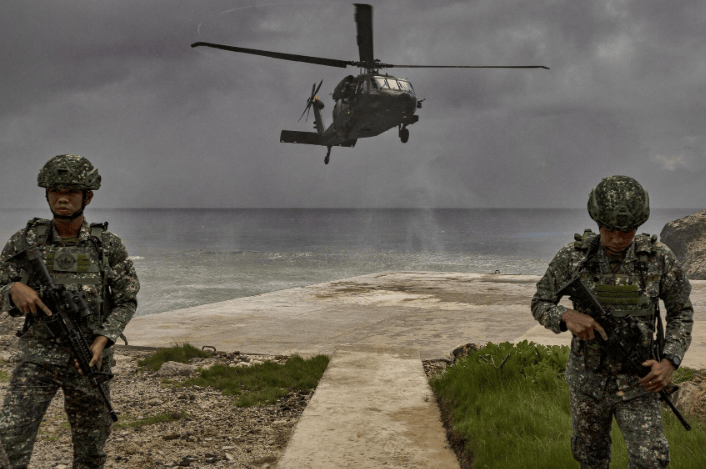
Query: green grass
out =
(517, 414)
(264, 383)
(4, 377)
(177, 353)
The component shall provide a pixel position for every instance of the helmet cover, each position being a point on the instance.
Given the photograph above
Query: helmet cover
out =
(69, 171)
(619, 203)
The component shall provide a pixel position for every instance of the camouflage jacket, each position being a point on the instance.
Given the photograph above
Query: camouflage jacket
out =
(113, 305)
(658, 275)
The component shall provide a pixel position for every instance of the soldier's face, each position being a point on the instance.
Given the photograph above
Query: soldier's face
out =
(616, 241)
(66, 201)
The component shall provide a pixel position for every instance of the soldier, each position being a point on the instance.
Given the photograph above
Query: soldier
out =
(80, 256)
(629, 275)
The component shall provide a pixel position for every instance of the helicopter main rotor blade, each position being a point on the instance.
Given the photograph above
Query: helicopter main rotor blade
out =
(460, 66)
(279, 55)
(364, 26)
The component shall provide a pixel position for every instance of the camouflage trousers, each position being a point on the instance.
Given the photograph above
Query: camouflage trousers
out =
(639, 419)
(29, 394)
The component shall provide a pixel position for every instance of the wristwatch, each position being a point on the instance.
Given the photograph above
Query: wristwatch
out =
(674, 360)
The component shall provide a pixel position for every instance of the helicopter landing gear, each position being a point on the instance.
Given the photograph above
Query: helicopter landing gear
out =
(404, 134)
(328, 155)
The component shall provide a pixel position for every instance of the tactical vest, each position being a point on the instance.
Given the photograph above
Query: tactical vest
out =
(635, 293)
(77, 267)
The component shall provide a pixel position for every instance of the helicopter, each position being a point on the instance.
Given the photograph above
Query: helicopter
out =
(366, 105)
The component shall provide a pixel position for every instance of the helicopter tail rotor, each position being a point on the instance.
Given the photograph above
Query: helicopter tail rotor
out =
(312, 99)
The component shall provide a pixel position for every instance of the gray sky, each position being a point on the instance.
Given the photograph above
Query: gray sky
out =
(172, 126)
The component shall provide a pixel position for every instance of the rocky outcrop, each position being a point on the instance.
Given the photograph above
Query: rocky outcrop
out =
(687, 238)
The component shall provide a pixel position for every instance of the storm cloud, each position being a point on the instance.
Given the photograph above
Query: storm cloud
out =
(173, 126)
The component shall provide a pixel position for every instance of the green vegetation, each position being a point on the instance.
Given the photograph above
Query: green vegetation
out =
(251, 385)
(152, 419)
(4, 377)
(511, 405)
(682, 374)
(263, 383)
(177, 353)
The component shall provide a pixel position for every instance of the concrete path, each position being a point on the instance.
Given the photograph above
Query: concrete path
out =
(373, 408)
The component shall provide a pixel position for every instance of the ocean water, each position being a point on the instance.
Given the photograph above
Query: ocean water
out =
(189, 257)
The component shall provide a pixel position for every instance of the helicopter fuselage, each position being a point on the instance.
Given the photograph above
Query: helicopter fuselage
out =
(370, 104)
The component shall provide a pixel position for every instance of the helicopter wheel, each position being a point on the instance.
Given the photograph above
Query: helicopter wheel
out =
(404, 134)
(328, 155)
(326, 159)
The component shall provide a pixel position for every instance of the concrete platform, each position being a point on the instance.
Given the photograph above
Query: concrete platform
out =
(373, 408)
(429, 311)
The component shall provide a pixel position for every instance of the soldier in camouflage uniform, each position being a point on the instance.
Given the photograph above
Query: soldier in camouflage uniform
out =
(629, 275)
(79, 256)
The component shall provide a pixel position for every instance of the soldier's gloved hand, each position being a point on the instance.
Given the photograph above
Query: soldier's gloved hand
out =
(582, 325)
(96, 347)
(659, 377)
(27, 300)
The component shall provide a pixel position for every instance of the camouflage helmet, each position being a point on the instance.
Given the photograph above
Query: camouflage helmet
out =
(69, 171)
(619, 203)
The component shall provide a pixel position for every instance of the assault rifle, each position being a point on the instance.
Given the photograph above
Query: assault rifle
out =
(67, 306)
(622, 334)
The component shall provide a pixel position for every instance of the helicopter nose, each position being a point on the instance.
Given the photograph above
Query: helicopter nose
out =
(407, 101)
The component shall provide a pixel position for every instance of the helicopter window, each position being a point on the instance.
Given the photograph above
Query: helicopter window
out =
(373, 84)
(405, 85)
(383, 82)
(393, 84)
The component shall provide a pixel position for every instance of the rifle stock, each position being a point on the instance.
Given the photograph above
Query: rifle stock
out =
(619, 335)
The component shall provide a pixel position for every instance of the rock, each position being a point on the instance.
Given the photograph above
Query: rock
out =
(131, 448)
(463, 350)
(176, 369)
(689, 394)
(9, 340)
(686, 237)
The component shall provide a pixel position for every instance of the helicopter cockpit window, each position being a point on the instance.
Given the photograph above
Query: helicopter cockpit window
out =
(383, 83)
(405, 85)
(373, 84)
(394, 84)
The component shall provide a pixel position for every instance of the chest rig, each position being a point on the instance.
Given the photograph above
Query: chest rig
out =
(631, 291)
(81, 266)
(66, 262)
